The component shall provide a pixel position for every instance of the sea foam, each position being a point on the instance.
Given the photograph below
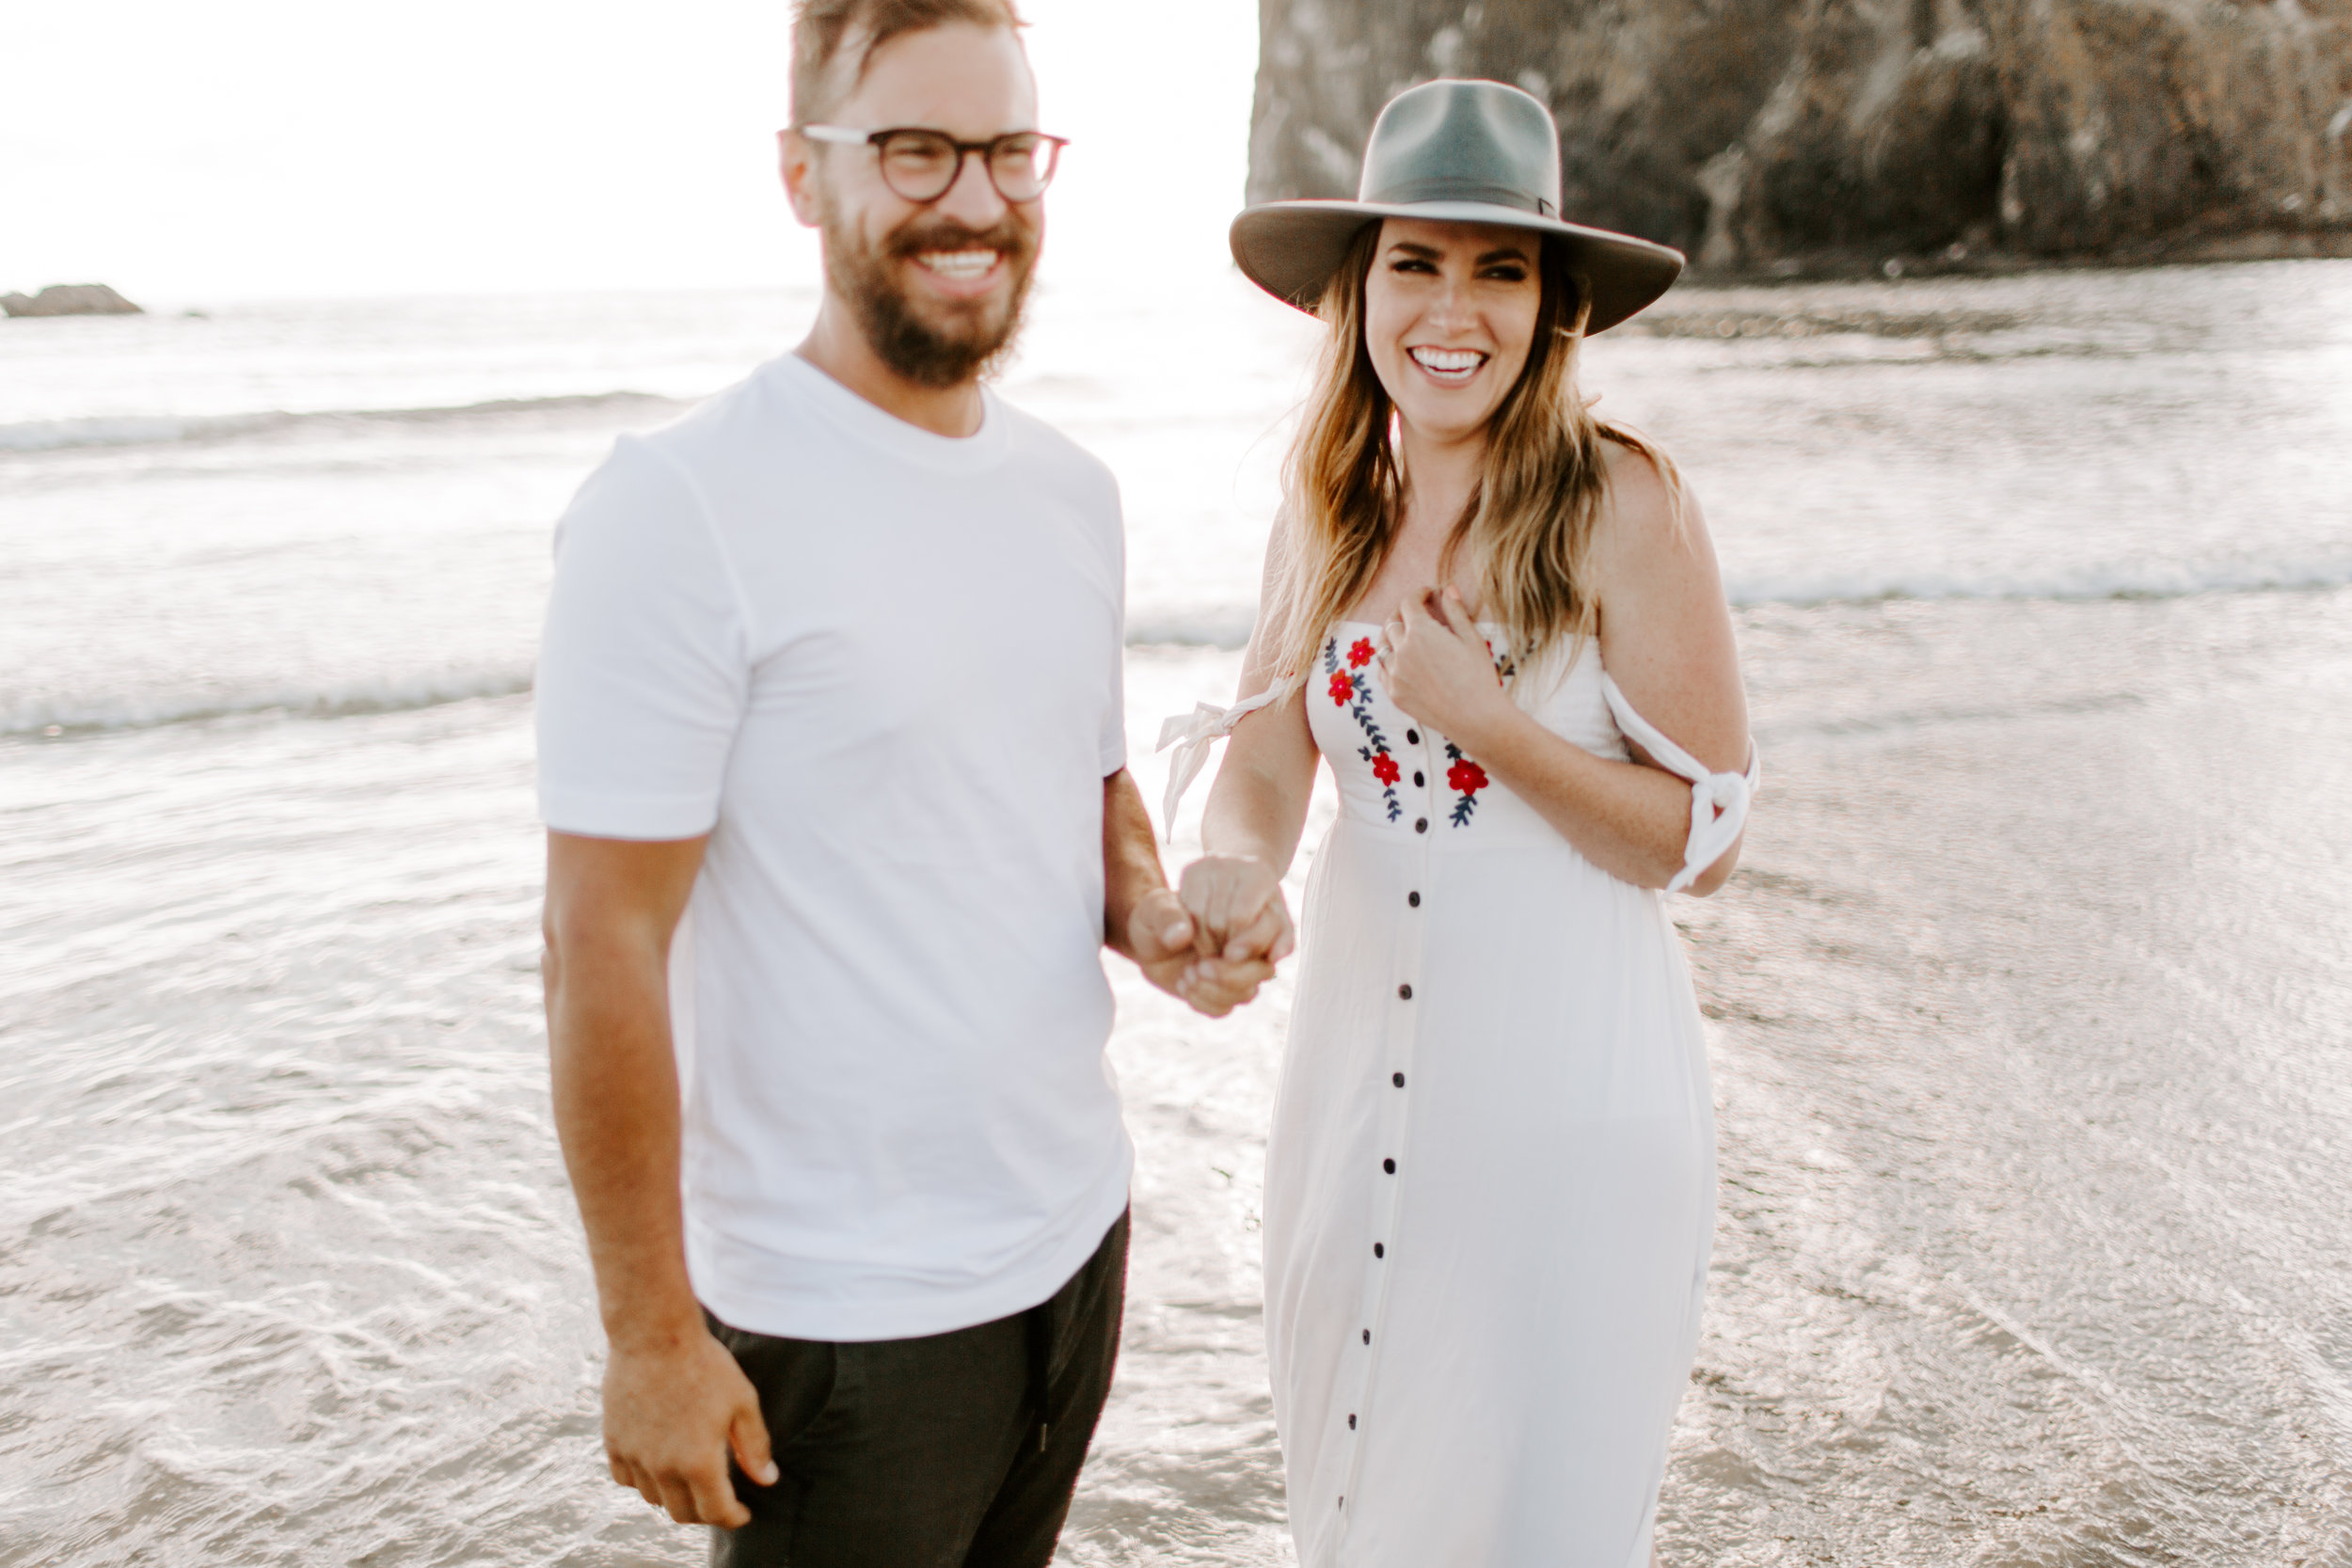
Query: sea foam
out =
(137, 430)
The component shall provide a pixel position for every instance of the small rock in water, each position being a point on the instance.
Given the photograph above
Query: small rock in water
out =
(70, 299)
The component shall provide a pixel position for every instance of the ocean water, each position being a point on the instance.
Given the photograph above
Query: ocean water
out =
(2031, 1012)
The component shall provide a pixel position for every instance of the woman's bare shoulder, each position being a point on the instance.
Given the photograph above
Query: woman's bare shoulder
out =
(1665, 630)
(1649, 520)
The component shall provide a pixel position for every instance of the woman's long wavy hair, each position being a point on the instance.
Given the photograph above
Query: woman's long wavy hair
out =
(1528, 526)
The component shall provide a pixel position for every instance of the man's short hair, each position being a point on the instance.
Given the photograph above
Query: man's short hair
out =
(824, 30)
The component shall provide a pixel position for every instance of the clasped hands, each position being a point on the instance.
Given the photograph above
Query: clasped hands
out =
(1217, 936)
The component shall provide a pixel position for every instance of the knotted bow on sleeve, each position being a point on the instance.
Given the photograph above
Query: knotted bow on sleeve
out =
(1719, 801)
(1192, 735)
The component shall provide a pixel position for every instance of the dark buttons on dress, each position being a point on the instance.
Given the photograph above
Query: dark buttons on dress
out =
(1414, 900)
(1388, 1166)
(1367, 1336)
(1422, 825)
(1379, 1251)
(1404, 994)
(1412, 738)
(1351, 1420)
(1397, 1078)
(1420, 778)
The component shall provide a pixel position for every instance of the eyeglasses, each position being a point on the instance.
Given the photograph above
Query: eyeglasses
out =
(923, 166)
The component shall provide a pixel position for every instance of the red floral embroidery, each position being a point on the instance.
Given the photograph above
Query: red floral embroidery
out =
(1351, 688)
(1466, 776)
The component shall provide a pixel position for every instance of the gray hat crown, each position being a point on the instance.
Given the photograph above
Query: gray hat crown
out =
(1464, 141)
(1454, 152)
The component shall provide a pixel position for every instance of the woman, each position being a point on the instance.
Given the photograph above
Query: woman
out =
(1490, 1185)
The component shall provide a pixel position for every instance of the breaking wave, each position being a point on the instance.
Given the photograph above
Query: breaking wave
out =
(138, 430)
(2152, 578)
(1228, 626)
(341, 701)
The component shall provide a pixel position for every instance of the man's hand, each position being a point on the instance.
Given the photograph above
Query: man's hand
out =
(672, 1415)
(1165, 944)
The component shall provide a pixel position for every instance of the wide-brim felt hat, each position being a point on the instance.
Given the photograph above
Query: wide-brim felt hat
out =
(1452, 151)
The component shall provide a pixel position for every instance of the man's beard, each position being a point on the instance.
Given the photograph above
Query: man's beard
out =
(928, 354)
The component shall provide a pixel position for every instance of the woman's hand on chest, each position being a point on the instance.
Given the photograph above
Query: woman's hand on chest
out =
(1438, 668)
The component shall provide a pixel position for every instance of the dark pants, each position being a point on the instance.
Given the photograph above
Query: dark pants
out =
(953, 1450)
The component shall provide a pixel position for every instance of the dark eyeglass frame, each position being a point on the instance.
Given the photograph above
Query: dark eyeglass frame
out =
(849, 135)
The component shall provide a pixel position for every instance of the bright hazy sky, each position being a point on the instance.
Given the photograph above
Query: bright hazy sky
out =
(247, 149)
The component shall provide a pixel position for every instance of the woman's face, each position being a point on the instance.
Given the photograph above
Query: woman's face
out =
(1449, 312)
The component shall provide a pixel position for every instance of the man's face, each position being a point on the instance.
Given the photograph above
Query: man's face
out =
(937, 287)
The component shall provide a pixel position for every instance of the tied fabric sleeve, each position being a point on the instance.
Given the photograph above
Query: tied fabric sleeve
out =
(1719, 801)
(642, 670)
(1192, 735)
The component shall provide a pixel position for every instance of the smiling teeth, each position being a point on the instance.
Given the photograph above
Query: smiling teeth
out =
(1450, 364)
(958, 263)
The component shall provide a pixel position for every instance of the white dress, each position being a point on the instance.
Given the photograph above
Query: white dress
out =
(1490, 1187)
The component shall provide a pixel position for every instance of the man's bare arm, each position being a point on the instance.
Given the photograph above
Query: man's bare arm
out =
(674, 1402)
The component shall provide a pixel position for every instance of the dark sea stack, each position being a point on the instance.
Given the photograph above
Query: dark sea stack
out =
(1777, 135)
(70, 299)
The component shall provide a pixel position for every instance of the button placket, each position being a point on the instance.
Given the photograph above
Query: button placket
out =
(1401, 1036)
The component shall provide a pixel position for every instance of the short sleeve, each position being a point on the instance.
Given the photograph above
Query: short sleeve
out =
(1115, 707)
(642, 667)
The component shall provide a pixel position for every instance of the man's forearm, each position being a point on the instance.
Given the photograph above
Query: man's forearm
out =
(1131, 857)
(616, 1111)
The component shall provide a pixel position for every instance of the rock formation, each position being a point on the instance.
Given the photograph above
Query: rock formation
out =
(1780, 134)
(70, 299)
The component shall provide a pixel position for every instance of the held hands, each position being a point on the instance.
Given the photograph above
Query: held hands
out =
(1236, 903)
(1439, 670)
(672, 1415)
(1181, 957)
(1215, 939)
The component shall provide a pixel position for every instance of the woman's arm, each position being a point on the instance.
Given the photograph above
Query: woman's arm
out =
(1258, 805)
(1256, 811)
(1665, 638)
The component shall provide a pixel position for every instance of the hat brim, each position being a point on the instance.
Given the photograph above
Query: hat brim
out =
(1290, 250)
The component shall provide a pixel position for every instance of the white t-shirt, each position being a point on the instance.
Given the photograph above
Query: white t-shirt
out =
(882, 669)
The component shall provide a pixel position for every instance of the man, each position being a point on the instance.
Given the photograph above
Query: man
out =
(832, 765)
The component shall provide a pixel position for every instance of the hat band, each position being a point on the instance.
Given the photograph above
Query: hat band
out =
(1451, 189)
